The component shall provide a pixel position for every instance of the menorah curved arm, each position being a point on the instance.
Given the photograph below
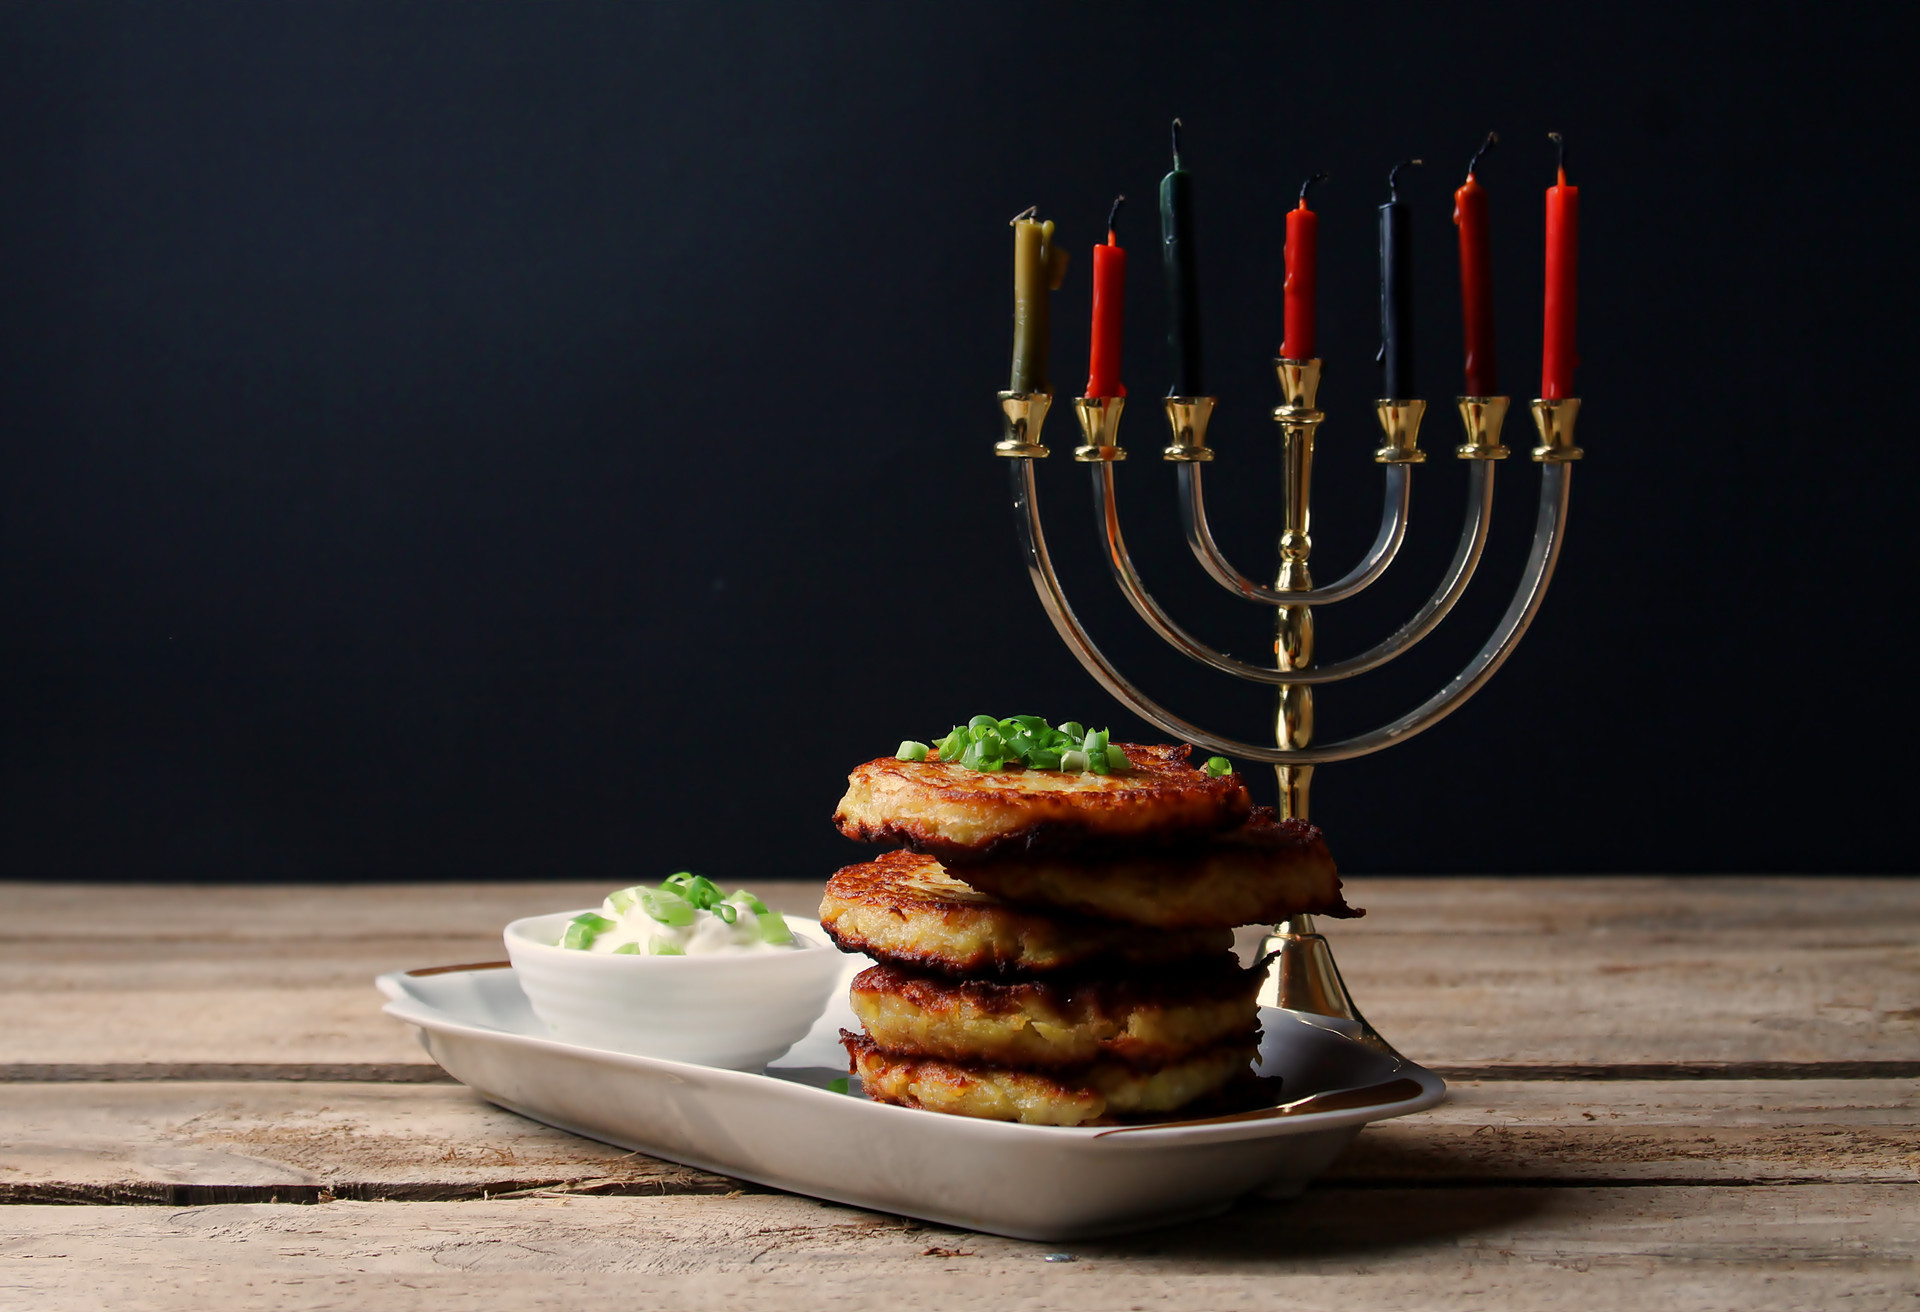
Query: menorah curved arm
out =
(1386, 544)
(1453, 585)
(1549, 529)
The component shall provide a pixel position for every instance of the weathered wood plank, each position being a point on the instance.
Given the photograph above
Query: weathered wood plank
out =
(1457, 972)
(186, 1143)
(298, 1143)
(1754, 1248)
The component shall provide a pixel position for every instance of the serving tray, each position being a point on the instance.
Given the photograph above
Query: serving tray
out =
(789, 1129)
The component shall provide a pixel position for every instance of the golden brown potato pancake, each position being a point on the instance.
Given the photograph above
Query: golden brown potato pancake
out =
(1258, 874)
(963, 815)
(1090, 1093)
(1159, 1017)
(905, 908)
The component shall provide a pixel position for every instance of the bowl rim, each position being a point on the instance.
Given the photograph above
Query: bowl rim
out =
(813, 939)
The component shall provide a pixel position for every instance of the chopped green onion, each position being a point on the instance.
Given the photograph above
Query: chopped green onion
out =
(583, 929)
(748, 900)
(727, 912)
(989, 745)
(623, 899)
(667, 906)
(773, 927)
(1217, 766)
(658, 946)
(627, 950)
(839, 1085)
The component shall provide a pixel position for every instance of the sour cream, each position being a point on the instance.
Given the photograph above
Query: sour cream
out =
(635, 930)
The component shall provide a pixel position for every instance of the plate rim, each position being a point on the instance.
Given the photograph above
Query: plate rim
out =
(410, 1008)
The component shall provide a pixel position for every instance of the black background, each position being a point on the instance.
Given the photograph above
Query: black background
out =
(553, 439)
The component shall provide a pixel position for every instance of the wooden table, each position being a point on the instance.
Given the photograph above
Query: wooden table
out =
(1709, 1082)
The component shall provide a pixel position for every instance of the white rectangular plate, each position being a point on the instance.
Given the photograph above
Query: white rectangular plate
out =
(788, 1130)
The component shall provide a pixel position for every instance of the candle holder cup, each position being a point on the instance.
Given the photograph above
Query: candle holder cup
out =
(1303, 976)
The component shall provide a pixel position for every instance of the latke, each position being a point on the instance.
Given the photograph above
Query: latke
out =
(905, 908)
(1089, 1093)
(1258, 874)
(1161, 1017)
(960, 815)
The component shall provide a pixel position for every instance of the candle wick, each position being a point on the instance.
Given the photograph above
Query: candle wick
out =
(1318, 177)
(1026, 213)
(1393, 179)
(1493, 139)
(1560, 155)
(1118, 201)
(1176, 145)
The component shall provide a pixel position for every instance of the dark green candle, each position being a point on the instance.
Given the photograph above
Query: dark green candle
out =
(1183, 301)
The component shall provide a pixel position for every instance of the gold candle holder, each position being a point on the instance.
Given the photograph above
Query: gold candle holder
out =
(1024, 414)
(1555, 419)
(1482, 417)
(1302, 974)
(1400, 421)
(1188, 417)
(1299, 419)
(1099, 418)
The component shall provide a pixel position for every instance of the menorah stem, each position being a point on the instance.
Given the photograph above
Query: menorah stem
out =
(1293, 625)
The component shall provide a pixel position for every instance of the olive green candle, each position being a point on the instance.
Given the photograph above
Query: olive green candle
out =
(1038, 267)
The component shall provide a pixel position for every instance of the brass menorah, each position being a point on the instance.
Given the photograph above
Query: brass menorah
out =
(1304, 977)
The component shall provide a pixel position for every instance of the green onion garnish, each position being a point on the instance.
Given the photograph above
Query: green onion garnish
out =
(667, 906)
(986, 744)
(664, 947)
(1217, 766)
(773, 927)
(627, 950)
(583, 929)
(840, 1085)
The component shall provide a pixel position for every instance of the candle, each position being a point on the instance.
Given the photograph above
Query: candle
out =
(1109, 302)
(1476, 278)
(1557, 355)
(1183, 305)
(1302, 288)
(1396, 290)
(1038, 267)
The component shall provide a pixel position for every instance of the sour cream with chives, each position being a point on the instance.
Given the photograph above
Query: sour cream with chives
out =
(685, 916)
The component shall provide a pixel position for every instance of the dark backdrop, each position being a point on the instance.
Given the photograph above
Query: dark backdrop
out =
(553, 439)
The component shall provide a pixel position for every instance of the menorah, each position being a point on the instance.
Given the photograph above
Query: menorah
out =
(1303, 976)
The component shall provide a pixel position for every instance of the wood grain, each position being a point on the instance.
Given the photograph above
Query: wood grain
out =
(183, 1144)
(1707, 1247)
(1456, 972)
(1697, 1093)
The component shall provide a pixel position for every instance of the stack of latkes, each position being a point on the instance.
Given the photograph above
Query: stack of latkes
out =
(1056, 948)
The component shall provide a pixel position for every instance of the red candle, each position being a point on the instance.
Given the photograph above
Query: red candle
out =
(1476, 279)
(1109, 301)
(1557, 356)
(1302, 284)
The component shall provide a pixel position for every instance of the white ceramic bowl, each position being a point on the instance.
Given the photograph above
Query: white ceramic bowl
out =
(737, 1012)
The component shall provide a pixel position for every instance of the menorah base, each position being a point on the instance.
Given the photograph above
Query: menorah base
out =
(1302, 977)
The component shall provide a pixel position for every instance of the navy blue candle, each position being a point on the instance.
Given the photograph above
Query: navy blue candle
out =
(1396, 292)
